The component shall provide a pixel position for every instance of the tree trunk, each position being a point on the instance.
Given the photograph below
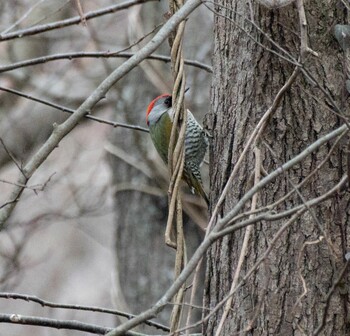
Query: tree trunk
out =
(246, 80)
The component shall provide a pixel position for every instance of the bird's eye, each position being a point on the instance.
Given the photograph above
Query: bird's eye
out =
(168, 101)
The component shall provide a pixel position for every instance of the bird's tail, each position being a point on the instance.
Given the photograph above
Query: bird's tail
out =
(195, 183)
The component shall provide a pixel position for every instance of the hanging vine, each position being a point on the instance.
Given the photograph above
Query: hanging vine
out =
(176, 159)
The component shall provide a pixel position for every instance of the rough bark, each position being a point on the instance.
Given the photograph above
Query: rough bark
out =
(247, 78)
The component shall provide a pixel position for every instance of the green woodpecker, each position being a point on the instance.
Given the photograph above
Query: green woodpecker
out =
(159, 118)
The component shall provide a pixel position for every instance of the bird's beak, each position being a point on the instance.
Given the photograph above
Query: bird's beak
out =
(187, 89)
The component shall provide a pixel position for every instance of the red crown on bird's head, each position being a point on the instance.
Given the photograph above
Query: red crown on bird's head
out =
(151, 104)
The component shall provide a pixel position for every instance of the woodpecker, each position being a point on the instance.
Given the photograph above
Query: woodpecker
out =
(159, 118)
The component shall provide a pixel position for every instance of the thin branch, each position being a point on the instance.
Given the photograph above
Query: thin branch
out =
(71, 111)
(258, 306)
(146, 189)
(81, 12)
(37, 187)
(97, 54)
(8, 203)
(11, 156)
(195, 283)
(323, 104)
(185, 304)
(46, 16)
(23, 17)
(304, 38)
(141, 38)
(326, 92)
(59, 324)
(69, 22)
(302, 279)
(44, 303)
(129, 159)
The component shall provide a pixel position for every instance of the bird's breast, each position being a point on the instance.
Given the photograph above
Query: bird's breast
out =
(160, 134)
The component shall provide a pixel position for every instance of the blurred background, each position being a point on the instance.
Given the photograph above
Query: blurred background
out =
(89, 230)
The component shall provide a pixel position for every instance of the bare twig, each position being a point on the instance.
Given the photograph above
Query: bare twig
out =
(146, 189)
(316, 220)
(317, 241)
(44, 303)
(8, 203)
(97, 54)
(11, 156)
(129, 159)
(23, 17)
(71, 111)
(81, 12)
(323, 104)
(37, 187)
(58, 324)
(307, 178)
(304, 39)
(193, 294)
(69, 22)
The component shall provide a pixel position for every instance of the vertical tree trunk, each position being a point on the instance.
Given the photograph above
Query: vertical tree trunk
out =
(246, 80)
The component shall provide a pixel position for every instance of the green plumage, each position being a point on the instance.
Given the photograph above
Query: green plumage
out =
(160, 134)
